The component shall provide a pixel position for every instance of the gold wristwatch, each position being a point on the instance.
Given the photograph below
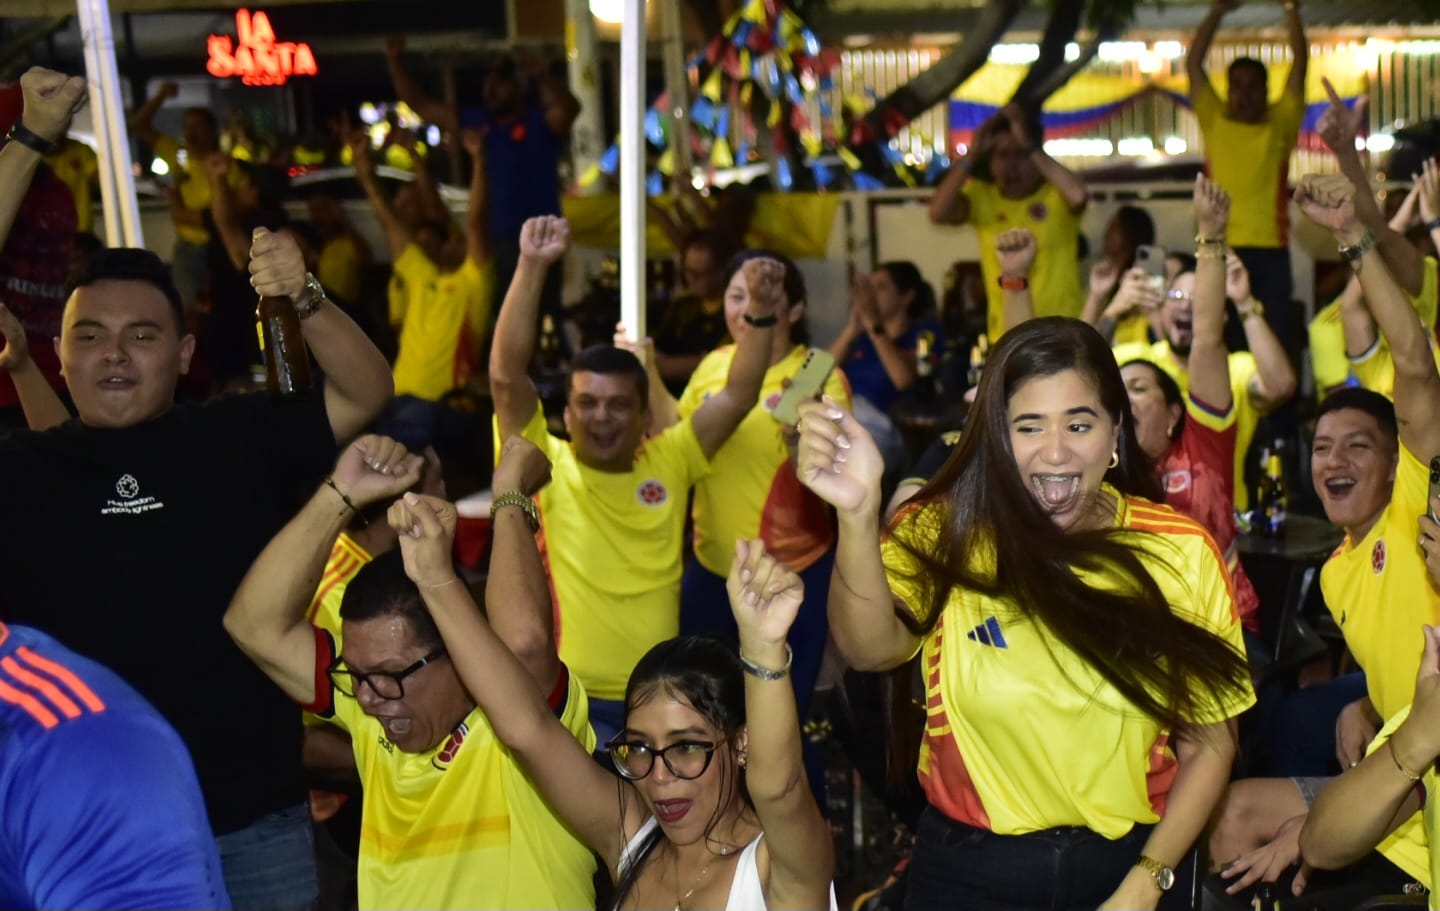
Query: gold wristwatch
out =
(1164, 876)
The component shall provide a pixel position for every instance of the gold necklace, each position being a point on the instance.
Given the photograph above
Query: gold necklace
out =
(680, 900)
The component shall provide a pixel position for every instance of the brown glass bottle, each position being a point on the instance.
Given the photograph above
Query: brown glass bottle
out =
(287, 360)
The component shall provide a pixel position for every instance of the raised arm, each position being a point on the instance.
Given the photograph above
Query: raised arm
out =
(899, 363)
(1016, 249)
(567, 777)
(1338, 127)
(430, 109)
(1209, 358)
(477, 237)
(559, 103)
(838, 461)
(1357, 810)
(1427, 199)
(765, 306)
(543, 242)
(43, 408)
(142, 122)
(222, 210)
(1274, 382)
(431, 204)
(50, 101)
(1200, 47)
(949, 206)
(358, 383)
(397, 236)
(1104, 278)
(1299, 50)
(266, 618)
(1329, 200)
(765, 596)
(1071, 187)
(1355, 320)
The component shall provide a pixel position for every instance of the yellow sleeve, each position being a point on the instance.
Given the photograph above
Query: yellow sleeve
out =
(1205, 103)
(1375, 369)
(1327, 349)
(981, 194)
(339, 268)
(400, 283)
(1425, 302)
(1411, 491)
(536, 431)
(1214, 609)
(1197, 411)
(1288, 113)
(480, 277)
(576, 716)
(913, 529)
(703, 379)
(167, 150)
(679, 446)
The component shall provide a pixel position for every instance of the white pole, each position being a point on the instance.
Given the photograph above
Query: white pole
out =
(632, 168)
(586, 141)
(117, 181)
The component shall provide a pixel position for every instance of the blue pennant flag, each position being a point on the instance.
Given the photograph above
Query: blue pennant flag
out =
(654, 128)
(823, 174)
(610, 161)
(864, 181)
(786, 179)
(702, 113)
(655, 184)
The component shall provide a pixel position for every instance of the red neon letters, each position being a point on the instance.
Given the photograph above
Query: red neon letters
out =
(259, 59)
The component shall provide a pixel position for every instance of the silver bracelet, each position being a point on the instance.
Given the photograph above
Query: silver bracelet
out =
(765, 673)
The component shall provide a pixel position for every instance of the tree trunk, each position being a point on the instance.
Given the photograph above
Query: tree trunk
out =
(935, 84)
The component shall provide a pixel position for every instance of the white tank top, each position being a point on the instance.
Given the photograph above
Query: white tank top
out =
(747, 893)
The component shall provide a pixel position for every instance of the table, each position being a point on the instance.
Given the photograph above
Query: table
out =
(1307, 544)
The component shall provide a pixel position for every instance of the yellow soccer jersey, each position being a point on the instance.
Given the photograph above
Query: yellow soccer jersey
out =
(462, 826)
(445, 318)
(193, 184)
(1013, 718)
(411, 269)
(1379, 593)
(1408, 847)
(1252, 162)
(1247, 415)
(75, 164)
(346, 559)
(1327, 350)
(752, 490)
(611, 542)
(1055, 276)
(342, 261)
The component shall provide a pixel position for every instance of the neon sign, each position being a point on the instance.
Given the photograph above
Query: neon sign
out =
(258, 59)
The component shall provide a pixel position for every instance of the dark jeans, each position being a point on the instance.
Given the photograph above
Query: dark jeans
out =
(418, 422)
(270, 864)
(1273, 285)
(1297, 736)
(956, 866)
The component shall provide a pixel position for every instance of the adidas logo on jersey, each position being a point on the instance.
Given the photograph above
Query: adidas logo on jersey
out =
(988, 633)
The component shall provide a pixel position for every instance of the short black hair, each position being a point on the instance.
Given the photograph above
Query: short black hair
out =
(133, 265)
(381, 589)
(1240, 63)
(1357, 398)
(608, 359)
(721, 245)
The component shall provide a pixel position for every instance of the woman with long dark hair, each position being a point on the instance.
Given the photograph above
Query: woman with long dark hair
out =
(709, 757)
(1081, 651)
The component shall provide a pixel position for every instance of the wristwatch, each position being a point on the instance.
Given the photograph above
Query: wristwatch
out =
(1353, 253)
(1164, 876)
(1249, 308)
(312, 298)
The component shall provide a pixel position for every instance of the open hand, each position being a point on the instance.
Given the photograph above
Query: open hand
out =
(544, 239)
(16, 352)
(277, 267)
(375, 468)
(426, 526)
(474, 143)
(1427, 186)
(51, 100)
(1137, 292)
(1016, 248)
(765, 595)
(523, 466)
(1104, 275)
(1212, 207)
(1269, 862)
(837, 459)
(1237, 278)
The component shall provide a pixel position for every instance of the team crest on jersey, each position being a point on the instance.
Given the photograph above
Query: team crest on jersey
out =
(452, 745)
(1377, 557)
(772, 400)
(652, 493)
(1039, 211)
(1176, 481)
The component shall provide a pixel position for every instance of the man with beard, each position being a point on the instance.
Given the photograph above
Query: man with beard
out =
(1261, 379)
(1017, 185)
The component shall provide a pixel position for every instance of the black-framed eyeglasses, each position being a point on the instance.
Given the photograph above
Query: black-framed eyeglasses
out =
(686, 759)
(384, 684)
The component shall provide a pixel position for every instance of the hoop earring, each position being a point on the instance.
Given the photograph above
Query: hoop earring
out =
(1115, 459)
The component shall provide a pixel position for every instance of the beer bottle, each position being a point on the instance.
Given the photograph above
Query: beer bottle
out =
(1272, 500)
(287, 360)
(549, 344)
(925, 367)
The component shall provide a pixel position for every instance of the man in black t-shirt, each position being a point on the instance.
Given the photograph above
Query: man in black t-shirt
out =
(136, 522)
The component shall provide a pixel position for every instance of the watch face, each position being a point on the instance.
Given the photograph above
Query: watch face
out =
(1165, 878)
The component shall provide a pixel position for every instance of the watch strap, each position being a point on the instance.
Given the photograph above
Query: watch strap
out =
(314, 297)
(1163, 875)
(30, 139)
(519, 500)
(761, 322)
(1355, 252)
(1014, 282)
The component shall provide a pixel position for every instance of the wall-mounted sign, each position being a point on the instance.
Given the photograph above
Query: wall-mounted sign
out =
(255, 56)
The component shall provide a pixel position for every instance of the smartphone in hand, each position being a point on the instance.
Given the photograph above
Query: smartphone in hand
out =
(1151, 258)
(805, 385)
